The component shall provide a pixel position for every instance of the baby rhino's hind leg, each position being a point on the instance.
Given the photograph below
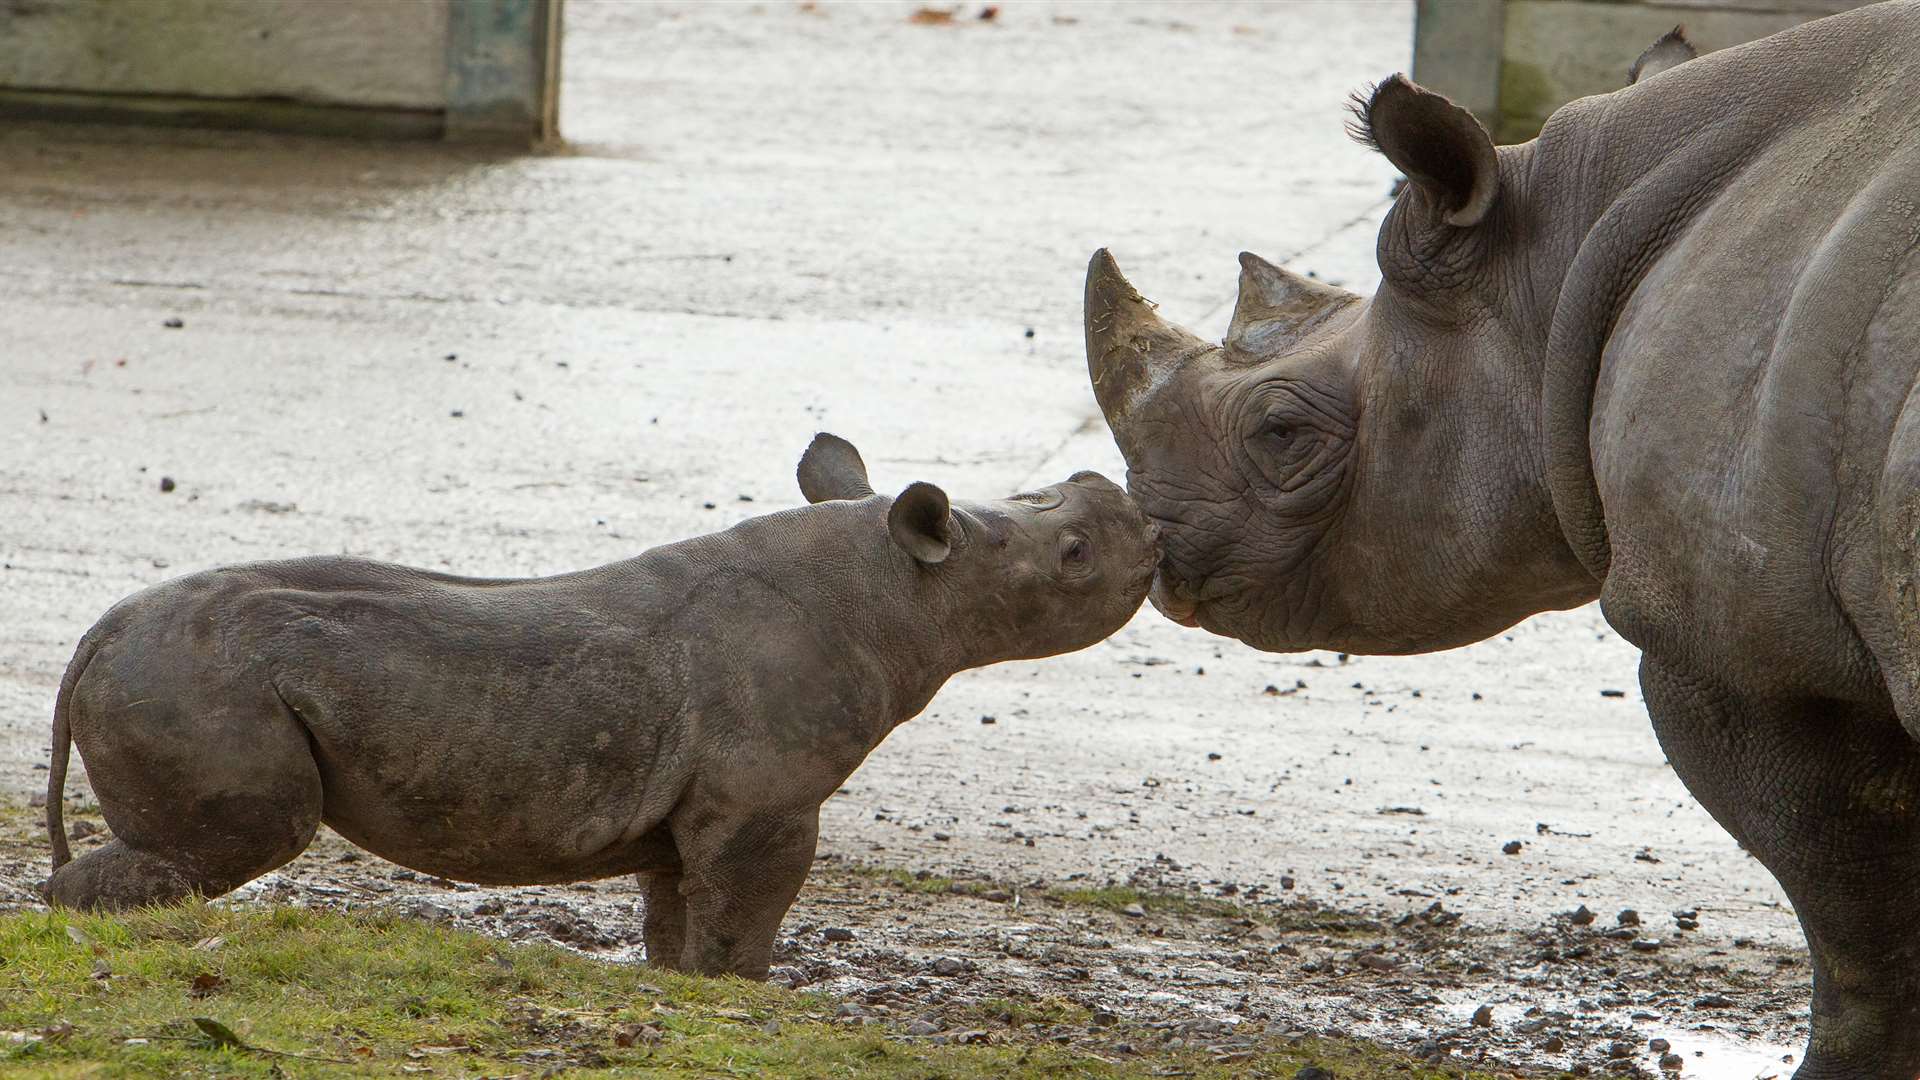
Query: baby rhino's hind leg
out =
(200, 799)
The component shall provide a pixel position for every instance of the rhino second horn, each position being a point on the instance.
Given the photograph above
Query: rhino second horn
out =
(1130, 348)
(1277, 306)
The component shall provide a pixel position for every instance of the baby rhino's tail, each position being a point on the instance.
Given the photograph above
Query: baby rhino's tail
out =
(62, 749)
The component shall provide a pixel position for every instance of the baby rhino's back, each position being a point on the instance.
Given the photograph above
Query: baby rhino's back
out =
(493, 730)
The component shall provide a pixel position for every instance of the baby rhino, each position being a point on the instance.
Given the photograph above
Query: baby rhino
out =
(680, 715)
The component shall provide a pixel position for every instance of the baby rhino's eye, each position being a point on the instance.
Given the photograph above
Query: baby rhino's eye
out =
(1077, 550)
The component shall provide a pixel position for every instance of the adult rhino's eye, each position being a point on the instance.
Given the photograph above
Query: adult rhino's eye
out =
(1279, 428)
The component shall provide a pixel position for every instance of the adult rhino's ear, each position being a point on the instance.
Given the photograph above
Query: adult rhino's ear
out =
(1672, 50)
(921, 523)
(1441, 148)
(831, 469)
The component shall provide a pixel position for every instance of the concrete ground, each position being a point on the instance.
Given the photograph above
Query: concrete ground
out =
(771, 220)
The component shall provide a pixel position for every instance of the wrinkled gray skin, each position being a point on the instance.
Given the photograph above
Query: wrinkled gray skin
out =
(680, 715)
(1664, 355)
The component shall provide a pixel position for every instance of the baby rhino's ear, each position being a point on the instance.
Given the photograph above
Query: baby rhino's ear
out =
(921, 524)
(831, 469)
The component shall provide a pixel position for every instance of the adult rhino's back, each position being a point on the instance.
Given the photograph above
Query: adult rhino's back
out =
(1755, 378)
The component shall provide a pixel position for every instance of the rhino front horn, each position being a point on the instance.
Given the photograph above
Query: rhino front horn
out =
(1130, 348)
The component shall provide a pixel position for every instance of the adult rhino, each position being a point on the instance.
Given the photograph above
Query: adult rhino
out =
(1664, 355)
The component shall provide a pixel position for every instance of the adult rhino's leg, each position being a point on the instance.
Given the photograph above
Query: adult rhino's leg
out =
(665, 926)
(741, 875)
(203, 791)
(1828, 797)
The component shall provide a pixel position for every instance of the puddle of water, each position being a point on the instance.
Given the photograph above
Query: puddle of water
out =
(1710, 1055)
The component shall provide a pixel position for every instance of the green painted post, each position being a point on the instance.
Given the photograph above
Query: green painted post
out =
(1456, 52)
(503, 70)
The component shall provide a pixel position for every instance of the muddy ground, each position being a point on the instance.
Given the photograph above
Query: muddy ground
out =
(1606, 993)
(772, 219)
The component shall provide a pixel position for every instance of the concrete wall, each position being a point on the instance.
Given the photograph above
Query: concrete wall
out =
(477, 68)
(1515, 61)
(346, 52)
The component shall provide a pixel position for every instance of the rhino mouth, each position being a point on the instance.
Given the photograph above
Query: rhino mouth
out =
(1167, 600)
(1217, 603)
(1179, 599)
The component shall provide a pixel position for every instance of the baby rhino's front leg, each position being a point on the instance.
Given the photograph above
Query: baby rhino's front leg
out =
(740, 872)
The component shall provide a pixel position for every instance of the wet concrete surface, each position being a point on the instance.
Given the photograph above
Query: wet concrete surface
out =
(769, 221)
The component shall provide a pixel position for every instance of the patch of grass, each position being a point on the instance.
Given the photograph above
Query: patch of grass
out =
(1281, 916)
(1019, 1013)
(916, 881)
(1114, 898)
(295, 992)
(1118, 898)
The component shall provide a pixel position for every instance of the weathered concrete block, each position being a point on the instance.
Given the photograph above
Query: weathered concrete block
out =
(1456, 51)
(373, 53)
(468, 69)
(1512, 62)
(1558, 50)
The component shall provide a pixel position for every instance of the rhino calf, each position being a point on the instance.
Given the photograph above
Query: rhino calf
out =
(680, 715)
